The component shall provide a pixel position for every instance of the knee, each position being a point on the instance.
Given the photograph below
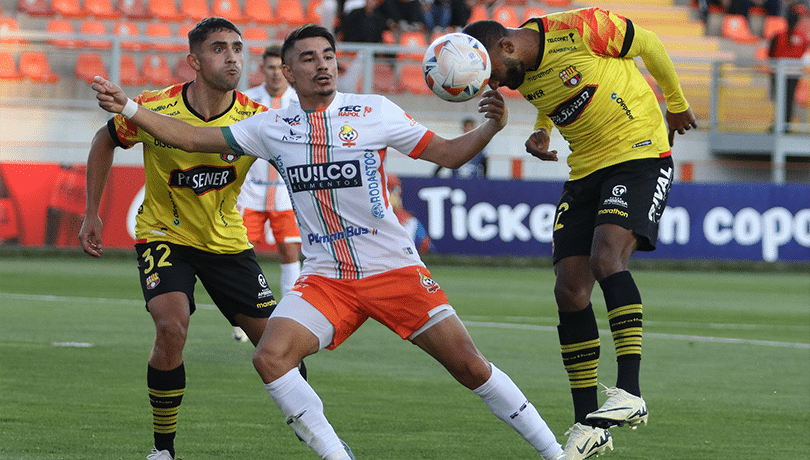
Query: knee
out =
(171, 333)
(472, 370)
(571, 297)
(270, 362)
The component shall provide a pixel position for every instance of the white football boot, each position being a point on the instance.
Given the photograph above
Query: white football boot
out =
(586, 441)
(620, 408)
(239, 335)
(159, 455)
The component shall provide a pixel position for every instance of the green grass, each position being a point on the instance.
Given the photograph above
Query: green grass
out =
(726, 370)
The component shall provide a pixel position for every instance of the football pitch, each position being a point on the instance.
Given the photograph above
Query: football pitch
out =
(725, 370)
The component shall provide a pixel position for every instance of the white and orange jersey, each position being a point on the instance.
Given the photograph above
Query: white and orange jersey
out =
(264, 190)
(332, 162)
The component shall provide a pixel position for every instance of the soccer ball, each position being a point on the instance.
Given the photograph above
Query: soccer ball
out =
(456, 67)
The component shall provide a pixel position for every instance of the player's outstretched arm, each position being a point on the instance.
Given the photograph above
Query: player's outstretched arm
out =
(99, 162)
(452, 153)
(166, 129)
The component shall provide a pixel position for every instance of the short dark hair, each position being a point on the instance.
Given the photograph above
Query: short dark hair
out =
(488, 32)
(305, 31)
(206, 27)
(273, 50)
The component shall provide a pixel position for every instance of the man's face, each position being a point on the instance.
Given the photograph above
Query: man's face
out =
(311, 68)
(506, 71)
(273, 78)
(220, 60)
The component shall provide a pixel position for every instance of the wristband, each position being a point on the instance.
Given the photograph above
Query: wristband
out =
(130, 108)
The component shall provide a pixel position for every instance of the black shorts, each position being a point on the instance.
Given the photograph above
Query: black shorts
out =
(235, 282)
(632, 195)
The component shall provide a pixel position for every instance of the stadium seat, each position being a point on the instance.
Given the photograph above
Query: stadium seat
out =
(130, 75)
(506, 15)
(256, 38)
(88, 65)
(478, 13)
(101, 9)
(156, 70)
(315, 12)
(162, 30)
(165, 10)
(228, 9)
(389, 38)
(533, 12)
(385, 81)
(260, 12)
(515, 2)
(34, 65)
(95, 27)
(129, 29)
(195, 9)
(510, 93)
(9, 26)
(735, 27)
(8, 67)
(773, 25)
(290, 12)
(182, 32)
(35, 7)
(412, 80)
(558, 4)
(412, 39)
(183, 72)
(134, 9)
(68, 8)
(63, 26)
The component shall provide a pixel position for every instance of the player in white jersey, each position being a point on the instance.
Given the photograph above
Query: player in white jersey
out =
(360, 263)
(263, 200)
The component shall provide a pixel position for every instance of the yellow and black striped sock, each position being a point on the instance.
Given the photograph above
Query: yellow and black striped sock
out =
(166, 389)
(579, 343)
(623, 303)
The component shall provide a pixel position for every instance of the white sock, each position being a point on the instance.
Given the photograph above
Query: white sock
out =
(303, 410)
(508, 403)
(289, 273)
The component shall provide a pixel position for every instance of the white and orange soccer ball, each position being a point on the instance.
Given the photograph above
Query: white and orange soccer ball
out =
(456, 67)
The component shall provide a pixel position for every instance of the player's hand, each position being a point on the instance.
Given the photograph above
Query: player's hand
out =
(680, 122)
(90, 236)
(538, 143)
(493, 107)
(110, 96)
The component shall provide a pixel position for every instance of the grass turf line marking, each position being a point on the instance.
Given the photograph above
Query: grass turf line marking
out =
(529, 327)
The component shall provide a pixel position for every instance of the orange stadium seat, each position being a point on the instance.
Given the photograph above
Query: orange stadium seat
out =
(533, 12)
(165, 10)
(478, 13)
(68, 8)
(130, 75)
(101, 9)
(412, 39)
(260, 12)
(34, 65)
(315, 12)
(290, 12)
(9, 26)
(228, 9)
(385, 81)
(258, 37)
(182, 32)
(88, 65)
(129, 29)
(35, 7)
(773, 25)
(558, 3)
(735, 27)
(134, 9)
(8, 68)
(95, 27)
(156, 70)
(389, 38)
(515, 2)
(412, 80)
(506, 15)
(63, 26)
(183, 72)
(195, 9)
(162, 30)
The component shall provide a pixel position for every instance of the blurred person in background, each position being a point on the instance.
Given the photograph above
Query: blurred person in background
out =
(363, 22)
(576, 68)
(412, 225)
(791, 43)
(264, 198)
(475, 168)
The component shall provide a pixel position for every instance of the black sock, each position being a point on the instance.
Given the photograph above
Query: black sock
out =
(579, 344)
(166, 390)
(623, 303)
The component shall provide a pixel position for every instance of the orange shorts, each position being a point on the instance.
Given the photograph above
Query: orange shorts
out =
(402, 300)
(282, 223)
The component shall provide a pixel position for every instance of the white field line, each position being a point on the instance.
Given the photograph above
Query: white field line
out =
(488, 324)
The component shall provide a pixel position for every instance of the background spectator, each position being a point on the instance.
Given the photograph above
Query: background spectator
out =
(791, 43)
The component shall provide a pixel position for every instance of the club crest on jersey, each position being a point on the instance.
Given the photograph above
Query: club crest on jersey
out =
(348, 135)
(203, 179)
(570, 76)
(229, 157)
(428, 283)
(152, 281)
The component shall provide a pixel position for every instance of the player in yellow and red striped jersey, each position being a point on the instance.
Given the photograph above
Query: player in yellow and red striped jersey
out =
(576, 68)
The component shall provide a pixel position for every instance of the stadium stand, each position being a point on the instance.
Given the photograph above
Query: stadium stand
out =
(128, 28)
(9, 27)
(773, 25)
(156, 70)
(165, 10)
(162, 29)
(506, 15)
(92, 27)
(229, 9)
(183, 72)
(8, 67)
(315, 11)
(134, 9)
(35, 8)
(195, 9)
(260, 12)
(63, 26)
(533, 12)
(385, 80)
(257, 39)
(478, 13)
(35, 66)
(290, 12)
(735, 27)
(412, 39)
(130, 74)
(68, 8)
(88, 65)
(412, 80)
(102, 9)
